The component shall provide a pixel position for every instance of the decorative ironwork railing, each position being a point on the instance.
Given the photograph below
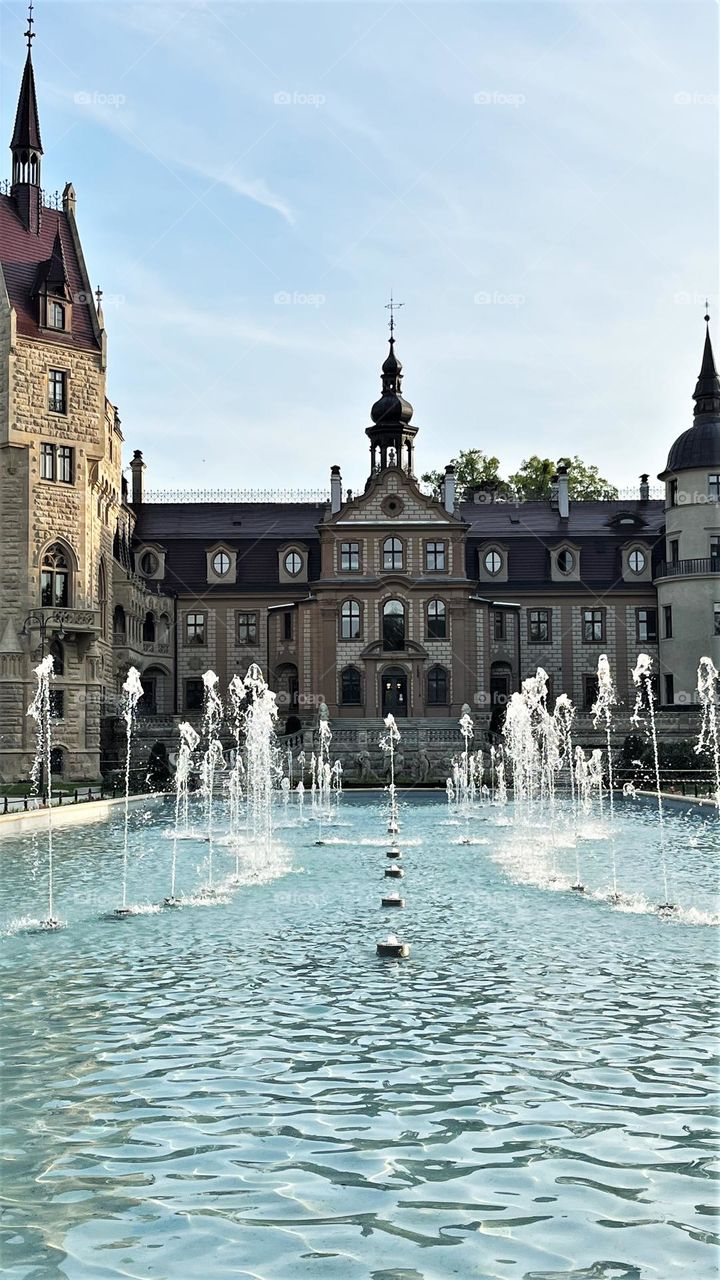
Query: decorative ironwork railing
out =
(237, 495)
(48, 199)
(679, 568)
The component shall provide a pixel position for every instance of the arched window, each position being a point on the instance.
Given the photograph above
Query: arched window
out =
(437, 686)
(393, 625)
(350, 687)
(350, 627)
(436, 620)
(392, 553)
(148, 632)
(119, 622)
(163, 628)
(55, 578)
(57, 761)
(57, 653)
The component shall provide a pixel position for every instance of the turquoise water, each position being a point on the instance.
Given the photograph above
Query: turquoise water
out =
(244, 1089)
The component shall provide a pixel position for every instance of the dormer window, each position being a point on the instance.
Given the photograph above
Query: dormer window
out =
(637, 561)
(221, 563)
(293, 563)
(565, 561)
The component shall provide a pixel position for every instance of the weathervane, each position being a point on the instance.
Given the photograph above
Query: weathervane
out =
(30, 34)
(392, 306)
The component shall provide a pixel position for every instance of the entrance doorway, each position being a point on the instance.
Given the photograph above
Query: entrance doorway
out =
(394, 692)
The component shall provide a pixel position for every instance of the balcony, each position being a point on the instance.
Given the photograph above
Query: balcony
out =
(71, 621)
(687, 568)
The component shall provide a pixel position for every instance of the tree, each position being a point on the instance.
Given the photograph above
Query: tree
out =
(473, 468)
(532, 481)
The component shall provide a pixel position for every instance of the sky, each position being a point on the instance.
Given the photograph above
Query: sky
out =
(536, 183)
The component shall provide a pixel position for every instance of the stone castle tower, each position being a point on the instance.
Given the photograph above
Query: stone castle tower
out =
(60, 466)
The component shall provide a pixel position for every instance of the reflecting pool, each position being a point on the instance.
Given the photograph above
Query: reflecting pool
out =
(241, 1088)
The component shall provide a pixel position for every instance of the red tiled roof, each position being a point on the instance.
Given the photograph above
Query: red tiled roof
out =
(21, 253)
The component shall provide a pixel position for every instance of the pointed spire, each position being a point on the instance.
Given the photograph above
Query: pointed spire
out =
(26, 133)
(707, 390)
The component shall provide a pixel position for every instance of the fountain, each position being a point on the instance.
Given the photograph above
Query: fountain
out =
(388, 742)
(645, 702)
(602, 708)
(213, 760)
(708, 683)
(323, 771)
(133, 692)
(39, 710)
(262, 768)
(189, 740)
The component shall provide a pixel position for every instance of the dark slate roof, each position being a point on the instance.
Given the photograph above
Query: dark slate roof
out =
(26, 133)
(599, 518)
(531, 529)
(699, 446)
(256, 531)
(223, 521)
(21, 255)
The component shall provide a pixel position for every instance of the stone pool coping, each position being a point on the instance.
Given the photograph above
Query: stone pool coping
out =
(69, 815)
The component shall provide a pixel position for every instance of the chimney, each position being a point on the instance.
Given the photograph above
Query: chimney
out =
(554, 493)
(644, 488)
(449, 489)
(137, 466)
(563, 492)
(335, 490)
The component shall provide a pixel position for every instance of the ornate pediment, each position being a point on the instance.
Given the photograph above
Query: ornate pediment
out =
(392, 496)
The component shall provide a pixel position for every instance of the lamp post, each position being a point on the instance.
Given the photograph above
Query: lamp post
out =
(36, 621)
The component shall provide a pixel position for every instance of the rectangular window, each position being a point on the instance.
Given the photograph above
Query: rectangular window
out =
(57, 704)
(539, 626)
(646, 624)
(669, 689)
(674, 551)
(435, 557)
(673, 493)
(47, 461)
(195, 628)
(56, 315)
(498, 625)
(57, 391)
(717, 619)
(667, 616)
(715, 546)
(349, 557)
(287, 626)
(65, 464)
(590, 691)
(247, 631)
(593, 628)
(714, 486)
(194, 694)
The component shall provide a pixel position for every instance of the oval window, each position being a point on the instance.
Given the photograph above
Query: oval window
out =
(565, 561)
(636, 561)
(293, 563)
(149, 564)
(221, 563)
(493, 562)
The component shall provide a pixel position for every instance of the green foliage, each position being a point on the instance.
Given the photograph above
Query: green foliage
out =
(530, 483)
(472, 469)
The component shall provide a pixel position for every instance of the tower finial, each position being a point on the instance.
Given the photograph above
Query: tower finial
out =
(706, 317)
(392, 307)
(30, 34)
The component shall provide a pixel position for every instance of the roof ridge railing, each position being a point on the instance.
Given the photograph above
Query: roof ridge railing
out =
(236, 495)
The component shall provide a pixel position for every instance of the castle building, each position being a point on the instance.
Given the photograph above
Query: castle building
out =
(389, 600)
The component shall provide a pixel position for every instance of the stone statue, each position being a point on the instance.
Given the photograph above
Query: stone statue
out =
(362, 760)
(422, 765)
